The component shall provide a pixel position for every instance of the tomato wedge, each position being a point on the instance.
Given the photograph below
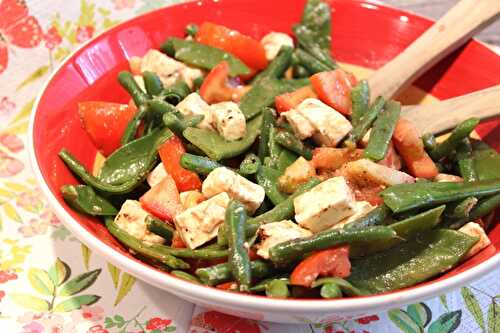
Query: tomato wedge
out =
(178, 242)
(105, 123)
(409, 145)
(170, 153)
(329, 262)
(290, 100)
(249, 50)
(334, 88)
(162, 200)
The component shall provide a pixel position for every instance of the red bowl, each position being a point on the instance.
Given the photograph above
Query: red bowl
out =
(364, 33)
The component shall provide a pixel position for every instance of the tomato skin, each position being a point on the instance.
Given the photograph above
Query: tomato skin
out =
(329, 262)
(162, 200)
(244, 47)
(391, 159)
(287, 101)
(105, 123)
(215, 88)
(178, 242)
(409, 145)
(170, 153)
(334, 88)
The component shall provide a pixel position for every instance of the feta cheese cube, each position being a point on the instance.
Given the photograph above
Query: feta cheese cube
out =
(157, 175)
(132, 219)
(199, 224)
(361, 208)
(228, 119)
(473, 229)
(237, 187)
(365, 171)
(302, 128)
(194, 105)
(274, 233)
(273, 42)
(324, 205)
(189, 74)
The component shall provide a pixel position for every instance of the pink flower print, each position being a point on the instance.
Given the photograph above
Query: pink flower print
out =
(31, 200)
(49, 217)
(368, 319)
(9, 166)
(52, 38)
(34, 228)
(6, 276)
(158, 324)
(6, 105)
(92, 313)
(2, 294)
(97, 329)
(123, 4)
(12, 142)
(84, 33)
(33, 327)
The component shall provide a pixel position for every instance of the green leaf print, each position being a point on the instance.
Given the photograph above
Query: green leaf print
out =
(87, 13)
(402, 320)
(79, 283)
(11, 212)
(494, 317)
(473, 306)
(40, 281)
(76, 302)
(420, 313)
(447, 323)
(86, 253)
(115, 274)
(59, 272)
(126, 285)
(37, 74)
(29, 302)
(25, 112)
(443, 301)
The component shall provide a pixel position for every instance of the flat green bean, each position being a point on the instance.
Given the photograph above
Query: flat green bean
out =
(160, 228)
(268, 179)
(360, 96)
(199, 164)
(221, 273)
(364, 124)
(465, 161)
(291, 142)
(267, 123)
(152, 83)
(462, 131)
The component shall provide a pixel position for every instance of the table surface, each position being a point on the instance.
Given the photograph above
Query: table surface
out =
(34, 244)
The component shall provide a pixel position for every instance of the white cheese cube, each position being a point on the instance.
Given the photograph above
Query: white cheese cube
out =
(302, 128)
(365, 171)
(228, 119)
(296, 174)
(238, 187)
(444, 177)
(189, 74)
(194, 105)
(273, 42)
(157, 175)
(199, 224)
(274, 233)
(361, 208)
(473, 229)
(132, 219)
(167, 69)
(324, 205)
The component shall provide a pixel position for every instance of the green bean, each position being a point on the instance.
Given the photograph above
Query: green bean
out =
(346, 287)
(267, 123)
(404, 197)
(178, 126)
(176, 92)
(221, 273)
(294, 249)
(462, 131)
(330, 290)
(360, 96)
(460, 209)
(186, 276)
(364, 124)
(83, 198)
(429, 141)
(375, 217)
(202, 56)
(133, 125)
(317, 17)
(250, 165)
(160, 228)
(268, 179)
(239, 260)
(465, 161)
(152, 82)
(299, 71)
(261, 95)
(310, 63)
(277, 289)
(261, 286)
(277, 67)
(291, 142)
(199, 164)
(382, 131)
(275, 149)
(141, 248)
(411, 262)
(127, 81)
(293, 84)
(216, 147)
(204, 254)
(191, 29)
(481, 209)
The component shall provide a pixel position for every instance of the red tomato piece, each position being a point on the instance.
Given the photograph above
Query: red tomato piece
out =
(290, 100)
(329, 262)
(105, 123)
(391, 159)
(177, 241)
(162, 200)
(229, 286)
(326, 158)
(334, 88)
(409, 145)
(170, 153)
(216, 88)
(244, 47)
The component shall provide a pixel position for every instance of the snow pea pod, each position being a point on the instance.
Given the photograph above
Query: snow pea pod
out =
(376, 217)
(409, 263)
(250, 165)
(403, 197)
(83, 198)
(199, 164)
(175, 93)
(202, 56)
(481, 209)
(310, 63)
(267, 124)
(221, 273)
(152, 83)
(133, 160)
(486, 162)
(290, 141)
(160, 228)
(364, 124)
(462, 131)
(178, 125)
(465, 161)
(382, 131)
(268, 179)
(360, 96)
(277, 67)
(216, 147)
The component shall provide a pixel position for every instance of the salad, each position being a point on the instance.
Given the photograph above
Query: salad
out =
(263, 167)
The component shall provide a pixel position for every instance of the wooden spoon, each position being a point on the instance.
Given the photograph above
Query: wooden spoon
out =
(460, 23)
(445, 115)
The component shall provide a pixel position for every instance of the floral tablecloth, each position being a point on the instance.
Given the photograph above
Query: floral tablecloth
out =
(49, 282)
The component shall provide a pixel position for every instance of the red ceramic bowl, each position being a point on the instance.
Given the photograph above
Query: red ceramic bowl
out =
(364, 33)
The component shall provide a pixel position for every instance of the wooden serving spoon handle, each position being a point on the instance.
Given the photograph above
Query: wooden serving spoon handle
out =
(460, 23)
(445, 115)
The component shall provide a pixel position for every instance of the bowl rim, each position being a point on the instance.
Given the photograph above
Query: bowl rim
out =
(179, 286)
